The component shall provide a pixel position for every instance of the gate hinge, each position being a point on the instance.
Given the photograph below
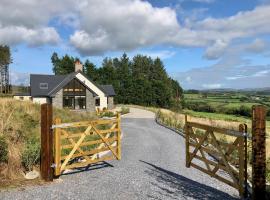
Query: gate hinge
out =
(53, 165)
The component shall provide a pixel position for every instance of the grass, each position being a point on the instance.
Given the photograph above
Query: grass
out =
(20, 134)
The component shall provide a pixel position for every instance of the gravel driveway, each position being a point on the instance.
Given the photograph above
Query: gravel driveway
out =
(152, 167)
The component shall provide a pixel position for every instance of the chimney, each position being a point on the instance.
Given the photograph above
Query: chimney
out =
(78, 66)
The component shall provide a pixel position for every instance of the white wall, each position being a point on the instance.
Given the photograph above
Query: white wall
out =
(40, 100)
(23, 98)
(101, 95)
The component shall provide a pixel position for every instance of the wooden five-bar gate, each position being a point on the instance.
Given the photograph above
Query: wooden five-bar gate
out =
(82, 143)
(209, 152)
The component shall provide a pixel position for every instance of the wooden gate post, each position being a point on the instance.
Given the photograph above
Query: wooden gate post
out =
(119, 136)
(186, 131)
(46, 158)
(258, 152)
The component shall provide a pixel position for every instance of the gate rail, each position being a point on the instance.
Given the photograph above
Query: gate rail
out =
(218, 155)
(79, 144)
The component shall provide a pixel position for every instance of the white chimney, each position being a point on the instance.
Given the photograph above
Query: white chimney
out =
(78, 66)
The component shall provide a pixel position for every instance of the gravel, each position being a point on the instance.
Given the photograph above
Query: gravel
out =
(152, 167)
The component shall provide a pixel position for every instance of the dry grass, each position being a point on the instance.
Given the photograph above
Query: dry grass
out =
(19, 126)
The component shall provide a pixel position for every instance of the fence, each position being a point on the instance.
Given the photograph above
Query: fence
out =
(204, 146)
(78, 144)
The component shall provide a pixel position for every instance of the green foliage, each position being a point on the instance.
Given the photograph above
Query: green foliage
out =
(3, 149)
(5, 56)
(142, 80)
(107, 114)
(124, 110)
(31, 153)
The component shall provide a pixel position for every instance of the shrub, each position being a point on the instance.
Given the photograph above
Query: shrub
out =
(107, 114)
(3, 150)
(31, 153)
(124, 110)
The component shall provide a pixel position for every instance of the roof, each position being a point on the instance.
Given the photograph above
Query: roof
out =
(53, 83)
(108, 89)
(22, 94)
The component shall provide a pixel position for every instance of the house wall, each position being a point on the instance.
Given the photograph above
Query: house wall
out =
(102, 96)
(57, 101)
(40, 100)
(110, 103)
(23, 98)
(90, 101)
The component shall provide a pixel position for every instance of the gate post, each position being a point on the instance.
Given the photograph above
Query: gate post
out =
(186, 131)
(46, 157)
(258, 152)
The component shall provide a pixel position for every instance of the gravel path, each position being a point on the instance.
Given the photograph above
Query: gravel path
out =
(152, 167)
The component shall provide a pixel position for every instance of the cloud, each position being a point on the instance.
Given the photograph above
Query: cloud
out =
(33, 37)
(217, 50)
(125, 25)
(257, 46)
(19, 78)
(204, 1)
(212, 86)
(232, 76)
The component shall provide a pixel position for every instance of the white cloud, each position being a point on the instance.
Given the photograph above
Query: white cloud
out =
(124, 25)
(19, 78)
(215, 51)
(257, 46)
(212, 86)
(204, 1)
(16, 34)
(261, 73)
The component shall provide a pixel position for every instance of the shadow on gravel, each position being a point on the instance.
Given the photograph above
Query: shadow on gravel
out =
(174, 186)
(89, 168)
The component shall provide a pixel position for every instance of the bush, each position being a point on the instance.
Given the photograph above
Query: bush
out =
(124, 110)
(31, 153)
(107, 114)
(3, 150)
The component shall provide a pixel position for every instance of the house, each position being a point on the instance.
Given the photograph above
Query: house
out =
(74, 91)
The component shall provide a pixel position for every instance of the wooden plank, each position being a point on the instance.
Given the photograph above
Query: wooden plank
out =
(241, 163)
(87, 153)
(57, 148)
(223, 158)
(186, 130)
(74, 143)
(119, 136)
(85, 123)
(89, 143)
(77, 135)
(222, 179)
(46, 170)
(84, 164)
(104, 140)
(75, 147)
(215, 129)
(198, 146)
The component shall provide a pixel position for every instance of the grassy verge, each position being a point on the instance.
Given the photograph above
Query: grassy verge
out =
(20, 135)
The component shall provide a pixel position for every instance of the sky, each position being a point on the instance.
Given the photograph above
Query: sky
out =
(204, 44)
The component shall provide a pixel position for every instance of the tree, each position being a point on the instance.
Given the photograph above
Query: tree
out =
(90, 70)
(5, 55)
(64, 65)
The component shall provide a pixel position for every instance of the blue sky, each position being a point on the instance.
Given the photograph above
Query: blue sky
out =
(204, 44)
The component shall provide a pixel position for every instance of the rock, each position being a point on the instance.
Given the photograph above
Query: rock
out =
(32, 175)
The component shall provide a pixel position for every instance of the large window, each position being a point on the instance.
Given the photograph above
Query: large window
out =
(74, 95)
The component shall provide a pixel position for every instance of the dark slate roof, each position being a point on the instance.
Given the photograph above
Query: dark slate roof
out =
(22, 94)
(52, 80)
(108, 89)
(56, 82)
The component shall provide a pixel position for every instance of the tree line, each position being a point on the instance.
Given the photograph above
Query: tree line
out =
(141, 80)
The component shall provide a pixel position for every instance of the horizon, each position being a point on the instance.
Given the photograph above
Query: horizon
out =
(204, 44)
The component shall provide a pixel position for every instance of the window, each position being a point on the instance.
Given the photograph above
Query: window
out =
(97, 101)
(74, 95)
(43, 86)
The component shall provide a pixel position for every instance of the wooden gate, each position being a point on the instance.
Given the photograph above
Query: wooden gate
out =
(82, 143)
(208, 151)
